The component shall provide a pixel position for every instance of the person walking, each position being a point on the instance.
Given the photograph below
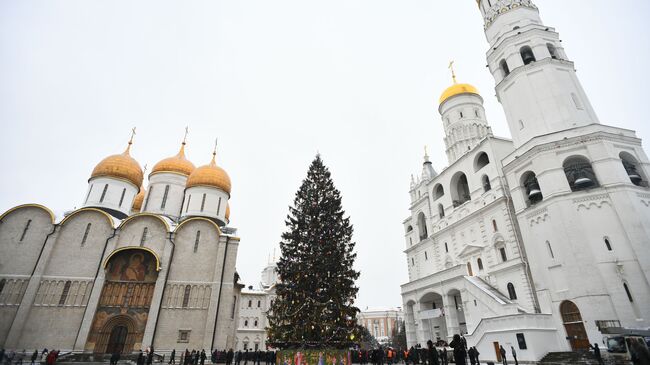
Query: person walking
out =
(502, 351)
(597, 353)
(460, 354)
(172, 357)
(514, 354)
(34, 357)
(470, 353)
(476, 353)
(203, 357)
(432, 354)
(229, 356)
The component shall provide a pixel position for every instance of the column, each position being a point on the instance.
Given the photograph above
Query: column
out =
(156, 300)
(451, 316)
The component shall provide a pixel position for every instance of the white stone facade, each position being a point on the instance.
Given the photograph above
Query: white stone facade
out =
(559, 217)
(63, 286)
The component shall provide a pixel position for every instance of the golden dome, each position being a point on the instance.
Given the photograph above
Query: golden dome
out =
(121, 166)
(210, 175)
(457, 89)
(177, 164)
(137, 201)
(228, 211)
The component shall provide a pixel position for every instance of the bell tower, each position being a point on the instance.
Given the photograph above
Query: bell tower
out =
(535, 80)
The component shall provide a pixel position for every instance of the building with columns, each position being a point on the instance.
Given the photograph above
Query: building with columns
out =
(542, 239)
(129, 269)
(381, 322)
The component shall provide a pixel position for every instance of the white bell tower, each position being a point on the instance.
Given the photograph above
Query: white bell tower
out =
(535, 81)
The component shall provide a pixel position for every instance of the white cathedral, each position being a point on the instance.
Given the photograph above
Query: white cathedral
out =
(541, 242)
(129, 269)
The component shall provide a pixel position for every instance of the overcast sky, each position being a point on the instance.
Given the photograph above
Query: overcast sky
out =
(276, 81)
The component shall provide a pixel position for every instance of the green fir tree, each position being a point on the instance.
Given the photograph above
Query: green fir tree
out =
(314, 307)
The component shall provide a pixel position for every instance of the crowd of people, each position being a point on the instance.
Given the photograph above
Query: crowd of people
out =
(36, 357)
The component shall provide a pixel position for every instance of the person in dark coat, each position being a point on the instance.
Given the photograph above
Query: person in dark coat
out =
(140, 359)
(229, 357)
(502, 351)
(476, 353)
(432, 354)
(444, 357)
(514, 354)
(203, 357)
(172, 357)
(460, 355)
(34, 357)
(597, 353)
(472, 357)
(150, 356)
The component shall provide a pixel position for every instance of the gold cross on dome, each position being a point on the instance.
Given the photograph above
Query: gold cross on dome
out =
(453, 72)
(185, 136)
(132, 135)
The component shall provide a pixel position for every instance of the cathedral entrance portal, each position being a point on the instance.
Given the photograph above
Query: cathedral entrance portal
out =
(123, 309)
(117, 340)
(575, 328)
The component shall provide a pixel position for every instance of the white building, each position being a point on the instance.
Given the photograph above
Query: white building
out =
(253, 307)
(541, 242)
(381, 322)
(129, 269)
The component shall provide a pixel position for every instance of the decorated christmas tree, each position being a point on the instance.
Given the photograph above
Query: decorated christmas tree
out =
(314, 307)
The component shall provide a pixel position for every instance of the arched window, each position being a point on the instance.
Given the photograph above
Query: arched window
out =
(527, 55)
(246, 323)
(85, 236)
(64, 294)
(608, 244)
(122, 197)
(460, 189)
(629, 294)
(146, 201)
(89, 191)
(438, 192)
(446, 247)
(203, 202)
(101, 199)
(426, 256)
(487, 186)
(22, 236)
(532, 191)
(511, 292)
(441, 211)
(550, 249)
(469, 269)
(579, 173)
(409, 229)
(631, 168)
(186, 296)
(494, 226)
(196, 241)
(255, 323)
(250, 303)
(479, 263)
(189, 200)
(164, 200)
(552, 50)
(145, 230)
(259, 303)
(422, 226)
(482, 160)
(504, 68)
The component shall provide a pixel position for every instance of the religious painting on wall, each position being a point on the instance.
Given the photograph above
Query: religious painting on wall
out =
(123, 309)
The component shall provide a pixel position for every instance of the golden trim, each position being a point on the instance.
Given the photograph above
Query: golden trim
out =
(133, 248)
(32, 205)
(89, 209)
(201, 219)
(114, 178)
(144, 215)
(168, 172)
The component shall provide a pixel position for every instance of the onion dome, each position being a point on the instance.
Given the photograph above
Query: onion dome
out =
(228, 211)
(137, 201)
(121, 166)
(457, 89)
(210, 175)
(176, 164)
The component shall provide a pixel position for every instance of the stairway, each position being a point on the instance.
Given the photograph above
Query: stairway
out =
(579, 358)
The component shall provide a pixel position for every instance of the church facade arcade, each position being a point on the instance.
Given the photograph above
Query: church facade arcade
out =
(130, 269)
(542, 238)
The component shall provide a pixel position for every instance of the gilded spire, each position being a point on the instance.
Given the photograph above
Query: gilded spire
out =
(214, 152)
(128, 148)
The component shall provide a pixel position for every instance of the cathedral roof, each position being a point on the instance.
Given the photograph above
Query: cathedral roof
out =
(176, 164)
(210, 175)
(457, 89)
(120, 166)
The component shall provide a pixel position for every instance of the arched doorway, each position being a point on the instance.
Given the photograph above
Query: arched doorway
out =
(123, 310)
(574, 326)
(117, 340)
